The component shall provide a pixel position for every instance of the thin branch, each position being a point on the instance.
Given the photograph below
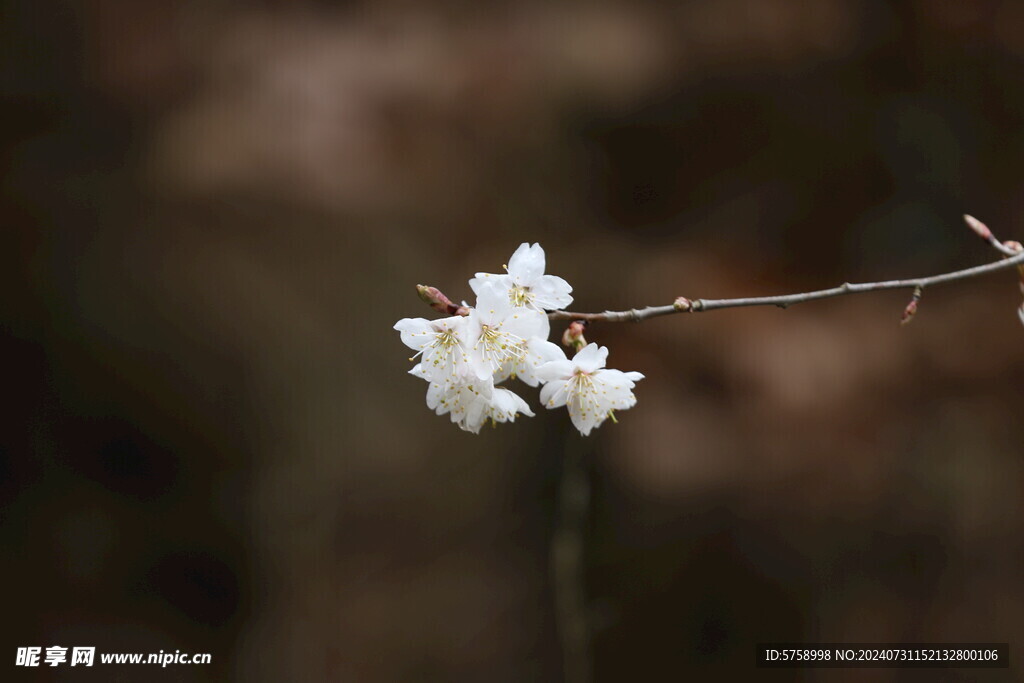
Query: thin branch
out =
(1012, 251)
(682, 305)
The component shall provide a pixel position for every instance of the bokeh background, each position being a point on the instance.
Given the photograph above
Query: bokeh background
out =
(214, 211)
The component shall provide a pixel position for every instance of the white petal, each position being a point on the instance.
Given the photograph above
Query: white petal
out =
(435, 393)
(551, 293)
(525, 323)
(526, 264)
(506, 404)
(591, 358)
(502, 280)
(416, 332)
(615, 390)
(542, 351)
(504, 372)
(617, 377)
(474, 323)
(554, 393)
(537, 353)
(455, 323)
(492, 304)
(522, 407)
(475, 416)
(555, 370)
(480, 367)
(585, 422)
(503, 405)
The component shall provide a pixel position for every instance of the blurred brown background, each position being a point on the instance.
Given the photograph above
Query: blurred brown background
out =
(214, 211)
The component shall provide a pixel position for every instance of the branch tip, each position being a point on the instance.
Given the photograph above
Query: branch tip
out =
(436, 299)
(1012, 251)
(979, 228)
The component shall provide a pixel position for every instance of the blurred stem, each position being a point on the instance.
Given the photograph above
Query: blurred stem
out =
(568, 567)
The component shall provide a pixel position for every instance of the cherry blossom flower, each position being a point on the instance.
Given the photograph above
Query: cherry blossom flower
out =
(590, 391)
(531, 354)
(499, 332)
(441, 344)
(472, 402)
(505, 336)
(526, 283)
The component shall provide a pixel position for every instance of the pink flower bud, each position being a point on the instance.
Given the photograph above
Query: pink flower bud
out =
(911, 310)
(573, 336)
(439, 302)
(979, 228)
(682, 304)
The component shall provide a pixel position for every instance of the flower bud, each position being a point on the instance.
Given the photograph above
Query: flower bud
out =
(682, 304)
(979, 228)
(573, 336)
(1016, 246)
(439, 302)
(911, 310)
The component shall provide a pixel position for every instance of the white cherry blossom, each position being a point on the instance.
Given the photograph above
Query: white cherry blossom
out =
(472, 402)
(500, 333)
(440, 344)
(505, 335)
(526, 283)
(531, 354)
(590, 391)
